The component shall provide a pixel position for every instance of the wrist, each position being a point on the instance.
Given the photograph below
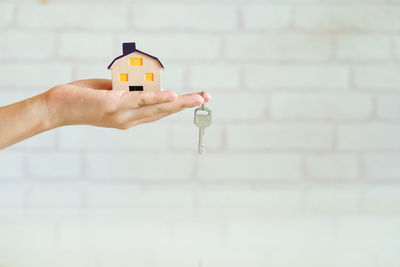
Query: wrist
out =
(51, 118)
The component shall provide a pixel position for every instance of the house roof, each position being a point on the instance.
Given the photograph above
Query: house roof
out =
(129, 48)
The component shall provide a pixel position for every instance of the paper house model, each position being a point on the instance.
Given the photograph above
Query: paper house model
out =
(135, 70)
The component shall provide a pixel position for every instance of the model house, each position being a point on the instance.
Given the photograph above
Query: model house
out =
(135, 70)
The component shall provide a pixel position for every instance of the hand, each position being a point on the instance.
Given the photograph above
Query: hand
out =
(93, 102)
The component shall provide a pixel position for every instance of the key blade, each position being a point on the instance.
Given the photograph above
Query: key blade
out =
(200, 149)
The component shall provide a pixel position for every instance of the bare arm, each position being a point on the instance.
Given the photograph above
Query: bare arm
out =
(88, 102)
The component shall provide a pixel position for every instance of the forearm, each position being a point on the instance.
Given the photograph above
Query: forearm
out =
(24, 119)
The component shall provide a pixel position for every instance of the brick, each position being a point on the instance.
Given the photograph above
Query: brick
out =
(62, 165)
(122, 196)
(347, 18)
(321, 106)
(223, 197)
(87, 46)
(243, 257)
(279, 47)
(368, 232)
(384, 199)
(184, 16)
(20, 236)
(185, 136)
(362, 137)
(332, 166)
(397, 47)
(55, 196)
(214, 76)
(28, 75)
(333, 199)
(235, 106)
(12, 96)
(137, 235)
(172, 77)
(6, 13)
(280, 136)
(178, 47)
(377, 77)
(84, 70)
(139, 166)
(145, 137)
(123, 256)
(11, 164)
(256, 16)
(381, 166)
(191, 234)
(296, 77)
(276, 233)
(363, 47)
(80, 16)
(249, 166)
(12, 196)
(42, 141)
(26, 45)
(388, 106)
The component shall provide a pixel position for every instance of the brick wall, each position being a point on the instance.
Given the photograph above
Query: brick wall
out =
(302, 160)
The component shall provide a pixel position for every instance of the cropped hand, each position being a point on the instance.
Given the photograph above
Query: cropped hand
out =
(89, 102)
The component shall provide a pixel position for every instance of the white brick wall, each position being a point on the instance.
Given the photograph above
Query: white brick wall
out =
(43, 46)
(85, 46)
(302, 160)
(375, 47)
(261, 166)
(208, 17)
(377, 77)
(64, 165)
(381, 166)
(80, 16)
(6, 13)
(321, 106)
(292, 136)
(11, 165)
(387, 107)
(214, 76)
(332, 166)
(256, 16)
(279, 47)
(361, 137)
(296, 77)
(139, 166)
(368, 17)
(36, 76)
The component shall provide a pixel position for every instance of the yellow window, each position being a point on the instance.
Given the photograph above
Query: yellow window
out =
(136, 61)
(149, 77)
(123, 77)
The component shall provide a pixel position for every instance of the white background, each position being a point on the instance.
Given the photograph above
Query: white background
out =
(302, 160)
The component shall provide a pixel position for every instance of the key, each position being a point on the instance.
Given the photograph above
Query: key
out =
(202, 119)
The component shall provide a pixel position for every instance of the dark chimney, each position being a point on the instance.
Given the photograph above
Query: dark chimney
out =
(128, 48)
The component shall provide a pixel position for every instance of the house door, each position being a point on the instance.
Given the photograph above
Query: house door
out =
(135, 88)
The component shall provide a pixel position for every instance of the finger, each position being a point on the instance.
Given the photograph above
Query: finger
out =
(103, 84)
(138, 99)
(207, 97)
(155, 112)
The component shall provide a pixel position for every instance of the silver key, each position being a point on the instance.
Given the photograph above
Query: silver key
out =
(202, 119)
